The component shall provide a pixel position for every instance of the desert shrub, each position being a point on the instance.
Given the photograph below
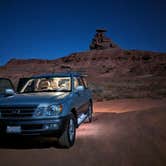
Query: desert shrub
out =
(127, 52)
(146, 57)
(94, 58)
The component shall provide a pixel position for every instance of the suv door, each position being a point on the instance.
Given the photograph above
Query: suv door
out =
(5, 84)
(80, 96)
(86, 94)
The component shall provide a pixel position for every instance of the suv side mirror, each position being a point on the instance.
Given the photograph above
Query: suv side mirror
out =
(9, 92)
(79, 88)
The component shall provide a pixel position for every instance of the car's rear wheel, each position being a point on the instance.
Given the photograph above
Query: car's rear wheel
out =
(67, 139)
(90, 113)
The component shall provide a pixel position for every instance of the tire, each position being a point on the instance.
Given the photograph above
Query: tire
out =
(90, 113)
(67, 139)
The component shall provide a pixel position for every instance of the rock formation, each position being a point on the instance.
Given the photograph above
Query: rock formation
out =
(101, 42)
(112, 73)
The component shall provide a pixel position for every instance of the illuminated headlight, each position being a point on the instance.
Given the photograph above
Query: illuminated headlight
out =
(48, 110)
(54, 110)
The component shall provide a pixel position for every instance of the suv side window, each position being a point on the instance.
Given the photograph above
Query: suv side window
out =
(5, 84)
(78, 82)
(85, 82)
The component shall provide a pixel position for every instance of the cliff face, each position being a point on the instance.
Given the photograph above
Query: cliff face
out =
(112, 73)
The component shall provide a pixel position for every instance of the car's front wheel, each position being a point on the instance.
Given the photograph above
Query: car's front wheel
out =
(67, 139)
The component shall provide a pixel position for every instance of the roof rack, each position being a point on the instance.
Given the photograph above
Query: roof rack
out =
(81, 73)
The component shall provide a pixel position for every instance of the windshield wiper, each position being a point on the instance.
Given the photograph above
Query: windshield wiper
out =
(47, 91)
(55, 90)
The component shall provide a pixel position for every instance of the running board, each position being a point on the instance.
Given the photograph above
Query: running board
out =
(81, 118)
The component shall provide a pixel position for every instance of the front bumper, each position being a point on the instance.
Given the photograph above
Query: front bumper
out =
(44, 126)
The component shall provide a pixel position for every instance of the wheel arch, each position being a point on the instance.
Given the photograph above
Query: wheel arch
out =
(91, 102)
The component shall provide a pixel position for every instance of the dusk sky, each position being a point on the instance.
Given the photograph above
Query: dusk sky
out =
(50, 29)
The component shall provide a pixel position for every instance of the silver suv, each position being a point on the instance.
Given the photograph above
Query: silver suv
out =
(52, 105)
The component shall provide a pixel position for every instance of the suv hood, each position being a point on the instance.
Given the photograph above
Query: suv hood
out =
(34, 98)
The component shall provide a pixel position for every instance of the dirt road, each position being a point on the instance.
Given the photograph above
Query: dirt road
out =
(123, 133)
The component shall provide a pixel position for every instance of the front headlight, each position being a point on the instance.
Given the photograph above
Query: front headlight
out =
(48, 110)
(54, 110)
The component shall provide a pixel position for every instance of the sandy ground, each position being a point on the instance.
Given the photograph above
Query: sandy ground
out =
(129, 132)
(129, 105)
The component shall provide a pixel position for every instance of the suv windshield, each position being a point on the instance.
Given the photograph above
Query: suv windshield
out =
(47, 84)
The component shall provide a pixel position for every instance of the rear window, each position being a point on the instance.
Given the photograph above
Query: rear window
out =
(5, 84)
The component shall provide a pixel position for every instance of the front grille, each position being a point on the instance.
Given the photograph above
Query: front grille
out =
(17, 111)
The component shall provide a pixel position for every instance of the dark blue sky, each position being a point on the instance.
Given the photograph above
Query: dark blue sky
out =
(50, 29)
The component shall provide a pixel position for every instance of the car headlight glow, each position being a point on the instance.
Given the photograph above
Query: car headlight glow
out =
(54, 110)
(48, 110)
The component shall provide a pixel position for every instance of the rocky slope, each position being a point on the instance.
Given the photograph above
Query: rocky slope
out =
(112, 73)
